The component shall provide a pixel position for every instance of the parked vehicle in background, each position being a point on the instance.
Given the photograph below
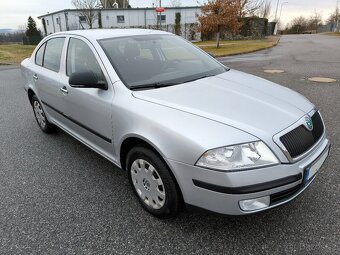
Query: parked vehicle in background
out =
(185, 128)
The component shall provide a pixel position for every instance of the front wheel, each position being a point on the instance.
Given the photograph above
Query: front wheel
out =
(153, 183)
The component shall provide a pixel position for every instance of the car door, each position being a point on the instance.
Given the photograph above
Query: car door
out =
(46, 75)
(88, 110)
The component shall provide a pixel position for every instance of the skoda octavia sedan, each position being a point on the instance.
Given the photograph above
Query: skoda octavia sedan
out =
(185, 128)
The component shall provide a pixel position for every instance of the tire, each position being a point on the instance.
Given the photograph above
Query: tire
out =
(153, 183)
(40, 116)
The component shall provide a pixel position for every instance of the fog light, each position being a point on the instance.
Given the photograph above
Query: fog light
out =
(254, 204)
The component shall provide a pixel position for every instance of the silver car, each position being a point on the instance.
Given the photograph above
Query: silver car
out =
(187, 129)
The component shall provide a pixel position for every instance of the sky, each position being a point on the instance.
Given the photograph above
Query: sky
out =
(14, 14)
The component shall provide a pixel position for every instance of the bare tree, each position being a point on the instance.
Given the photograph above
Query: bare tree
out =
(175, 3)
(87, 10)
(314, 21)
(265, 10)
(12, 37)
(249, 7)
(337, 17)
(297, 25)
(334, 20)
(305, 25)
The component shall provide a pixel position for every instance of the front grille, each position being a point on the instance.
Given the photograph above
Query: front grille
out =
(284, 195)
(300, 139)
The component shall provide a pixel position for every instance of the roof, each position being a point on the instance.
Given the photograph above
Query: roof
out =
(119, 9)
(98, 34)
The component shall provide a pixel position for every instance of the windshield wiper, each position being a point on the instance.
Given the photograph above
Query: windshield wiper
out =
(155, 85)
(199, 78)
(205, 76)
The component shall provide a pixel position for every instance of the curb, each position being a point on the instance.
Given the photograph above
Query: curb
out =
(251, 51)
(8, 67)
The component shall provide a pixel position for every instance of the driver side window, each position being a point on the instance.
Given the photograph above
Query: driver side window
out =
(80, 58)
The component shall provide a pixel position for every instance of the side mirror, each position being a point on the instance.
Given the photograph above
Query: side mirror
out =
(86, 79)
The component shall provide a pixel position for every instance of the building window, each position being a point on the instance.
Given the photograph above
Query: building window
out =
(47, 22)
(162, 18)
(120, 19)
(82, 19)
(58, 20)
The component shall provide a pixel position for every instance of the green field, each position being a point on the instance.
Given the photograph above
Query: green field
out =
(333, 33)
(228, 48)
(13, 54)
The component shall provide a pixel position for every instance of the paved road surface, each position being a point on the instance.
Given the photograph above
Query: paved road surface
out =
(302, 55)
(59, 197)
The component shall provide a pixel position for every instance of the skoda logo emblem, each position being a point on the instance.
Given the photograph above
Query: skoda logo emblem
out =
(309, 123)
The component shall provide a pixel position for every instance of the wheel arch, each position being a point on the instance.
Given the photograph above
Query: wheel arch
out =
(30, 94)
(132, 141)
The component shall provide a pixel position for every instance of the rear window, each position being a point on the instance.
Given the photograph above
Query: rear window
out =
(39, 56)
(53, 52)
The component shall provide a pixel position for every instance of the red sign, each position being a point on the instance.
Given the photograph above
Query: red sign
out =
(160, 9)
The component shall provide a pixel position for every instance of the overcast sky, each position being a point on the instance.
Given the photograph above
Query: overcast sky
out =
(14, 13)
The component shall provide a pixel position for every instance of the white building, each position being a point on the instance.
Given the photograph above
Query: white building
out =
(72, 19)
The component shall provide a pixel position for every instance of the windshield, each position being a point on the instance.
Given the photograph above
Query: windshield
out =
(158, 60)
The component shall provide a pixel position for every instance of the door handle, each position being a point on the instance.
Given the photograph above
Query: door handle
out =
(35, 76)
(64, 90)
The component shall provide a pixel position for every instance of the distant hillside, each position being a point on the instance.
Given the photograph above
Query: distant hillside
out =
(7, 30)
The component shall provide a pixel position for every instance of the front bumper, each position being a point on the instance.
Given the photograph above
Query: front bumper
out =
(221, 192)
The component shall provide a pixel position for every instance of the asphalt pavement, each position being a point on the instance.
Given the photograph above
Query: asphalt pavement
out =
(59, 197)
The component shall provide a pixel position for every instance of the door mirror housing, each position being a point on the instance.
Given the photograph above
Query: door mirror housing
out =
(86, 79)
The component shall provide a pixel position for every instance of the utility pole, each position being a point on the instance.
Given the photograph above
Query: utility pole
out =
(276, 25)
(278, 22)
(277, 8)
(337, 16)
(160, 15)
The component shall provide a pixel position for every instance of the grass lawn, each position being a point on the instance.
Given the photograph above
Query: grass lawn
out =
(13, 54)
(228, 48)
(333, 33)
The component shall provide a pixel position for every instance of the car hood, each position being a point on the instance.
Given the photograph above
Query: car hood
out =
(240, 100)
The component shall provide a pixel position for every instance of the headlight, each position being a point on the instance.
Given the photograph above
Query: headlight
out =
(238, 157)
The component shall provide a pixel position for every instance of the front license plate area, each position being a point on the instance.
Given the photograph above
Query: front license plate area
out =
(312, 169)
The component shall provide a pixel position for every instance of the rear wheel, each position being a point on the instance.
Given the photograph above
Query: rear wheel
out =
(152, 183)
(40, 116)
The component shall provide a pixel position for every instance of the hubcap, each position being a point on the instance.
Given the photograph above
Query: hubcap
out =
(39, 114)
(148, 184)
